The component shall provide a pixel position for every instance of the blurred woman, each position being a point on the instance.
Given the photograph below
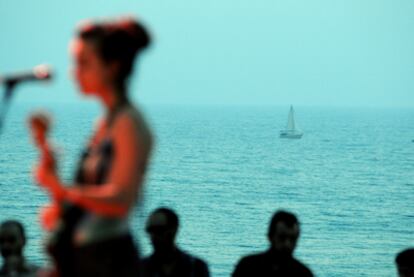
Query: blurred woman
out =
(90, 227)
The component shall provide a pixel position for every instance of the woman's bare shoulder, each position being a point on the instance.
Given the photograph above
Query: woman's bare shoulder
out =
(131, 119)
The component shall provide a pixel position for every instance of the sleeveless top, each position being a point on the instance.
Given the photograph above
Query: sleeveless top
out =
(93, 227)
(105, 151)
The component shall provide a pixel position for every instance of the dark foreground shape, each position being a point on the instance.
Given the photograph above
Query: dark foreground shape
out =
(167, 259)
(12, 242)
(185, 265)
(405, 263)
(268, 264)
(283, 234)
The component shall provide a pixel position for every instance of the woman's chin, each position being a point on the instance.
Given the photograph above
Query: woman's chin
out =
(87, 92)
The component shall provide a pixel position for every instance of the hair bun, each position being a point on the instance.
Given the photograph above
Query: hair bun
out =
(117, 40)
(136, 31)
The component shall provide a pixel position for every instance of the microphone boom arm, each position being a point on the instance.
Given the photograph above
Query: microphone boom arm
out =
(5, 103)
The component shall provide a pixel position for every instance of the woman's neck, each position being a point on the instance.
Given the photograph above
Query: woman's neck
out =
(112, 100)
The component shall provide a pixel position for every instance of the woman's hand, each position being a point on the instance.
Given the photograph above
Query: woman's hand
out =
(50, 216)
(45, 173)
(48, 179)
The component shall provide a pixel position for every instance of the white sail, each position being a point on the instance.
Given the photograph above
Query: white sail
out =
(291, 120)
(291, 130)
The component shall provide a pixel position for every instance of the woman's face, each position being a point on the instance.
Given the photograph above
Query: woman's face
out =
(91, 73)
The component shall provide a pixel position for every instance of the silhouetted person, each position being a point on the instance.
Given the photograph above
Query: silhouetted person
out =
(12, 242)
(167, 259)
(405, 263)
(278, 260)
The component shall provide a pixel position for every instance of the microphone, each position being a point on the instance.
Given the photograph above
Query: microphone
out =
(41, 72)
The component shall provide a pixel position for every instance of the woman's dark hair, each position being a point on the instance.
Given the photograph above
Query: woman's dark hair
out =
(117, 41)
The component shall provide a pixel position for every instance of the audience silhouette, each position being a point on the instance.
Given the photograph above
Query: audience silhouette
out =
(12, 242)
(405, 263)
(278, 260)
(167, 259)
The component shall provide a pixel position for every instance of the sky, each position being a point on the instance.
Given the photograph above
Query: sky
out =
(231, 52)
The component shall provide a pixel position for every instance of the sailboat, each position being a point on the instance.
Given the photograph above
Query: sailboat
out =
(291, 130)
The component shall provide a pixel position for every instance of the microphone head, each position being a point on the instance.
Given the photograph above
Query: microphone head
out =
(42, 72)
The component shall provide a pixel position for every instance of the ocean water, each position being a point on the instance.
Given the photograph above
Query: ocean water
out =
(350, 180)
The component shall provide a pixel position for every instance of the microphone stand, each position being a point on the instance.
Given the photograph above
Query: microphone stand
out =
(5, 104)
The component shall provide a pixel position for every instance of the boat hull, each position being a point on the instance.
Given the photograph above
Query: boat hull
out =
(291, 135)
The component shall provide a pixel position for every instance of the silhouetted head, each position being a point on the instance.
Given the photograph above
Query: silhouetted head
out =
(405, 263)
(283, 232)
(104, 53)
(162, 227)
(12, 238)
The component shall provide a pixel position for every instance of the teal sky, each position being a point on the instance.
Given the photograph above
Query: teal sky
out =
(232, 52)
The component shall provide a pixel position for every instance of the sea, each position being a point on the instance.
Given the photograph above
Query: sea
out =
(225, 171)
